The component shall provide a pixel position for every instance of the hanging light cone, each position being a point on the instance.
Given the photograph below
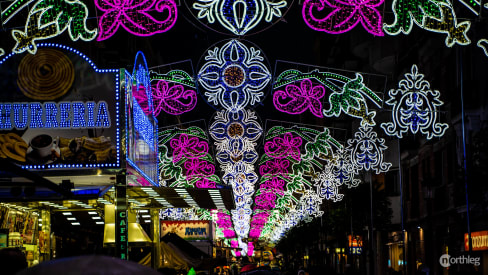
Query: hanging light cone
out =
(137, 236)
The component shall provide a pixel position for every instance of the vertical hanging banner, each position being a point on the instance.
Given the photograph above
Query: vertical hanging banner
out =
(121, 222)
(58, 110)
(141, 125)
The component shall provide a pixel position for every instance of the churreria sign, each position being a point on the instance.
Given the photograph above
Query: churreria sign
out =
(62, 115)
(446, 260)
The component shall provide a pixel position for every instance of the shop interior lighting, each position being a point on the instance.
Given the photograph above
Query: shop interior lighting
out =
(96, 218)
(67, 213)
(92, 213)
(146, 216)
(75, 223)
(99, 222)
(71, 219)
(143, 211)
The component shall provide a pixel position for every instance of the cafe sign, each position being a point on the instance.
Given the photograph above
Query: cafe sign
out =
(188, 230)
(59, 111)
(479, 241)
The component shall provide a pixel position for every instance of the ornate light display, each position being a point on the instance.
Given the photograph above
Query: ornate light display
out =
(435, 16)
(343, 169)
(366, 151)
(134, 17)
(348, 95)
(344, 15)
(414, 107)
(238, 16)
(47, 19)
(291, 166)
(235, 135)
(186, 162)
(173, 92)
(234, 76)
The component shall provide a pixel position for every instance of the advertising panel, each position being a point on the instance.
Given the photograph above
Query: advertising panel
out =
(141, 125)
(479, 241)
(58, 110)
(188, 230)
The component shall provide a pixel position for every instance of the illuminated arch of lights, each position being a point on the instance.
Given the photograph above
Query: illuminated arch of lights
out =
(343, 169)
(292, 158)
(47, 19)
(483, 44)
(234, 76)
(235, 135)
(238, 16)
(345, 15)
(434, 16)
(415, 107)
(348, 95)
(173, 92)
(134, 17)
(366, 151)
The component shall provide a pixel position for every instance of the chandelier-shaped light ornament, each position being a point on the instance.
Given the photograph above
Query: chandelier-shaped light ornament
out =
(343, 169)
(134, 17)
(234, 76)
(434, 16)
(238, 16)
(344, 15)
(327, 184)
(366, 151)
(47, 19)
(415, 108)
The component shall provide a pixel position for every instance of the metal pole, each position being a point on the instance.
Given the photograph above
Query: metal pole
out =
(156, 235)
(404, 269)
(465, 170)
(373, 256)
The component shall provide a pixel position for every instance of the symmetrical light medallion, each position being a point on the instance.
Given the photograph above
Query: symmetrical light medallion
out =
(234, 76)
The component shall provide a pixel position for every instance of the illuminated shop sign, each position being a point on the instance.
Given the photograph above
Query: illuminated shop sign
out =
(51, 115)
(479, 241)
(189, 230)
(141, 125)
(355, 245)
(58, 110)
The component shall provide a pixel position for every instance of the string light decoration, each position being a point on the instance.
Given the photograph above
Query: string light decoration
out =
(238, 16)
(328, 184)
(47, 19)
(235, 135)
(434, 16)
(234, 76)
(135, 17)
(366, 151)
(298, 99)
(343, 169)
(170, 93)
(414, 108)
(184, 159)
(348, 95)
(345, 15)
(287, 173)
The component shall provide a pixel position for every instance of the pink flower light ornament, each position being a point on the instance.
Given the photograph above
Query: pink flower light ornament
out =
(134, 17)
(345, 15)
(296, 100)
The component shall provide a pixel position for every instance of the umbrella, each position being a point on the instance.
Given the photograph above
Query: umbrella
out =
(248, 267)
(89, 265)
